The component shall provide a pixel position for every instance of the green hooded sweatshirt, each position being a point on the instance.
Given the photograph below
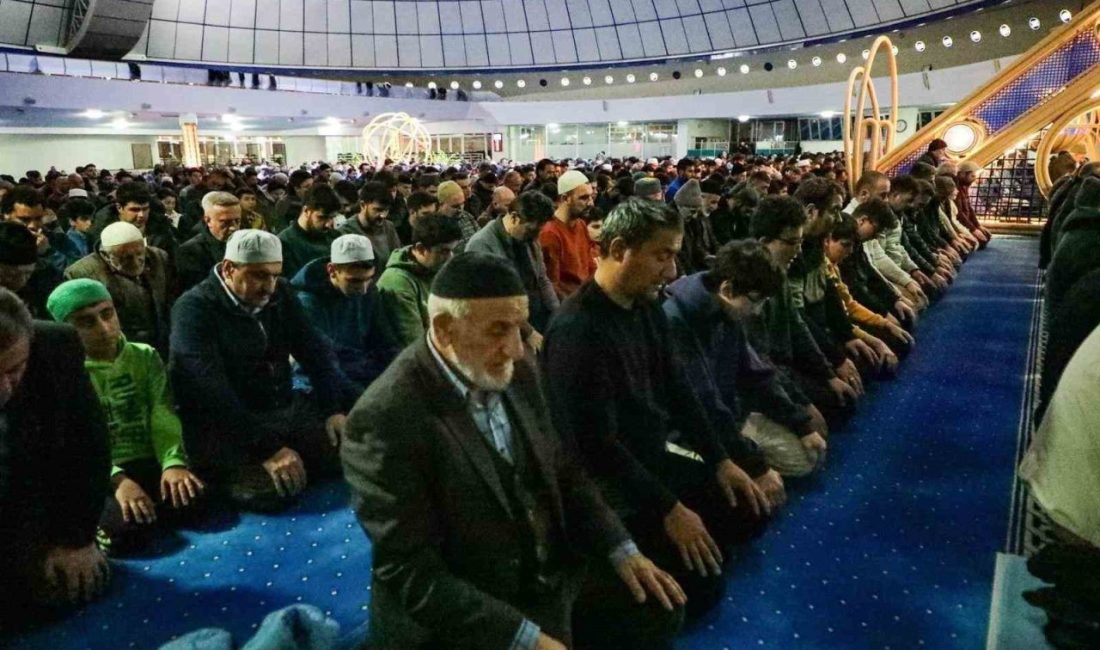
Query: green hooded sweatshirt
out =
(404, 289)
(141, 420)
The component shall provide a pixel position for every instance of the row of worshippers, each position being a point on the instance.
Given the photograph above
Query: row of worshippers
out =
(1063, 463)
(686, 414)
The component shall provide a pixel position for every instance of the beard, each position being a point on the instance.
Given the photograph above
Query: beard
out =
(485, 380)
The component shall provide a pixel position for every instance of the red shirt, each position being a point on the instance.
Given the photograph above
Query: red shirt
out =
(567, 251)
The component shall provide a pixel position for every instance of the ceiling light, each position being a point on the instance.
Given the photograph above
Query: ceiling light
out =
(521, 84)
(744, 68)
(653, 76)
(894, 49)
(230, 118)
(866, 54)
(587, 81)
(622, 123)
(960, 137)
(948, 41)
(742, 118)
(698, 73)
(816, 61)
(609, 80)
(976, 36)
(1006, 31)
(408, 84)
(841, 58)
(236, 126)
(93, 114)
(553, 126)
(721, 72)
(120, 123)
(828, 114)
(792, 64)
(565, 81)
(476, 85)
(919, 46)
(1034, 23)
(630, 78)
(332, 121)
(454, 85)
(431, 85)
(498, 84)
(1065, 15)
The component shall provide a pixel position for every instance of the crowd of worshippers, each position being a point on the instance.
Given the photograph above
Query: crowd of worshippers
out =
(520, 372)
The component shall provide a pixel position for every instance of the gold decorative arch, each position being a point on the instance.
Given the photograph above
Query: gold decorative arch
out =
(1077, 128)
(396, 136)
(857, 127)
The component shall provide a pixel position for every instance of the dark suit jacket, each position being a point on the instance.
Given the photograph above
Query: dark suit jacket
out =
(447, 546)
(54, 461)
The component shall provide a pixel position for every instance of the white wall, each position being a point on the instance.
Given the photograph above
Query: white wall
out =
(304, 148)
(19, 153)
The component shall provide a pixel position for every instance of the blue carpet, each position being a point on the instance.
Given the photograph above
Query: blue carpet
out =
(893, 546)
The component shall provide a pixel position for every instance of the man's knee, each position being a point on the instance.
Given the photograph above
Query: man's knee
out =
(253, 490)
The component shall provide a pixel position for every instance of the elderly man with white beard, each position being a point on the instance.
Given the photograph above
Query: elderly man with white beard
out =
(139, 279)
(481, 520)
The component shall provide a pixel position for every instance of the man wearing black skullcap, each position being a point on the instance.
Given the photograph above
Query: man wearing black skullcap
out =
(476, 513)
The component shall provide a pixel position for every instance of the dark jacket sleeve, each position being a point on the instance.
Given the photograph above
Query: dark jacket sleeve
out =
(806, 354)
(589, 519)
(760, 382)
(314, 352)
(80, 470)
(206, 396)
(385, 464)
(742, 451)
(581, 394)
(688, 415)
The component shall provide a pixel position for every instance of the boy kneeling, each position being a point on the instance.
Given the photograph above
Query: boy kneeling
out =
(144, 431)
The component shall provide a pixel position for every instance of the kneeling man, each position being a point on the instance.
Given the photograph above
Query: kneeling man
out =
(478, 515)
(233, 335)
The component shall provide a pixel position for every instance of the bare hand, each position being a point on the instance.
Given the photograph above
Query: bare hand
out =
(180, 486)
(889, 359)
(642, 576)
(334, 427)
(817, 420)
(135, 503)
(857, 348)
(545, 642)
(843, 390)
(850, 374)
(815, 446)
(697, 548)
(905, 311)
(901, 334)
(534, 341)
(287, 471)
(76, 574)
(733, 480)
(772, 485)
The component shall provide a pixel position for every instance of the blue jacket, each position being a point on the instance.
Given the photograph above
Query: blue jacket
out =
(353, 325)
(722, 367)
(232, 376)
(80, 242)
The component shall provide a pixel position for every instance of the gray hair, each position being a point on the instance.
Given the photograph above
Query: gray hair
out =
(635, 221)
(220, 200)
(454, 307)
(15, 320)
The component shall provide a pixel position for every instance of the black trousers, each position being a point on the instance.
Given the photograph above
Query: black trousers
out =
(132, 536)
(247, 484)
(693, 482)
(606, 616)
